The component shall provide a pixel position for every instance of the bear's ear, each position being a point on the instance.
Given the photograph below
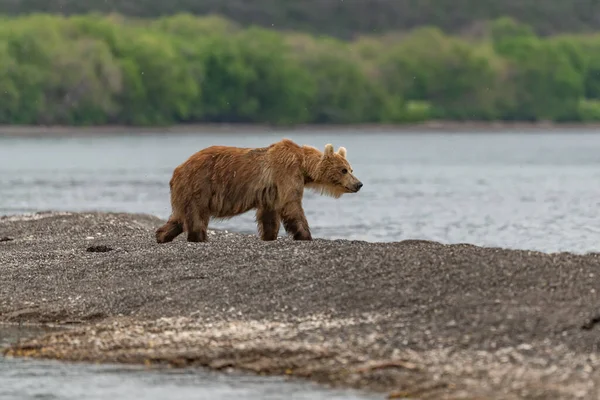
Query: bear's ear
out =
(342, 152)
(328, 149)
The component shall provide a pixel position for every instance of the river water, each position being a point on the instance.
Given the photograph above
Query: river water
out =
(537, 191)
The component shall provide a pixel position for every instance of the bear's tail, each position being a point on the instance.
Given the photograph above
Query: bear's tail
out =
(169, 231)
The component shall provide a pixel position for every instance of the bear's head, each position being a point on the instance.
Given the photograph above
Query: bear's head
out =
(334, 176)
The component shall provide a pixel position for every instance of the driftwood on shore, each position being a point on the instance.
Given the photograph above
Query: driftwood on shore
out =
(413, 318)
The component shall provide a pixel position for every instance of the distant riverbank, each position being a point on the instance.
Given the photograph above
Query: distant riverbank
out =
(411, 318)
(95, 69)
(425, 127)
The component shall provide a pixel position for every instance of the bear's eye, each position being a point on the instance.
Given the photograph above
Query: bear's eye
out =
(344, 171)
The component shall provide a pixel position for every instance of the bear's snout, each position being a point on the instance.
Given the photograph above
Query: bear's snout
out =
(358, 186)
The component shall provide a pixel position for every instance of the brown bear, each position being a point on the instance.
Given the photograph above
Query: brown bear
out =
(222, 182)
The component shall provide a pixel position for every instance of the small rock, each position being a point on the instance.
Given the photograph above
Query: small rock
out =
(98, 249)
(6, 239)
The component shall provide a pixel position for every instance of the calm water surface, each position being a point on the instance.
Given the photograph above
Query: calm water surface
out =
(535, 191)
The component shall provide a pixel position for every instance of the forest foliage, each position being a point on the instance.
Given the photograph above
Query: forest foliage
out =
(344, 18)
(107, 69)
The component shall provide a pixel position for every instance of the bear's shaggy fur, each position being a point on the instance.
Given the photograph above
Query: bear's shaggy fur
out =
(223, 181)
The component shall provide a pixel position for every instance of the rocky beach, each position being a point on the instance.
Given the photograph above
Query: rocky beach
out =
(410, 319)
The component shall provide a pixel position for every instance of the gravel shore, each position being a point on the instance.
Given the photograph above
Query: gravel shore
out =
(40, 131)
(409, 319)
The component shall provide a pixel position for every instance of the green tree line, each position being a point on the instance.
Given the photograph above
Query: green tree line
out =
(95, 69)
(344, 18)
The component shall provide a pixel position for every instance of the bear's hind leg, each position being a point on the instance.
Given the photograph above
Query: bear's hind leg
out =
(169, 231)
(197, 233)
(196, 225)
(294, 221)
(268, 223)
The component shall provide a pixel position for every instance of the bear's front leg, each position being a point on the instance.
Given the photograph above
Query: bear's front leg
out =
(268, 224)
(294, 221)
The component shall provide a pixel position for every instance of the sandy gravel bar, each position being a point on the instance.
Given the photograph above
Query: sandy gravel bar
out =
(411, 319)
